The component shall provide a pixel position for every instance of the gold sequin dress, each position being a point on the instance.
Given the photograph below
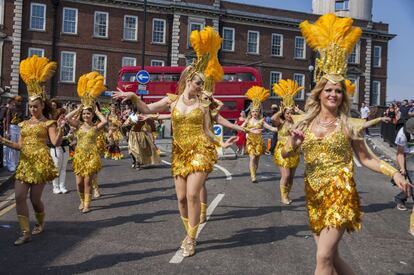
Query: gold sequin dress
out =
(331, 196)
(35, 165)
(282, 138)
(86, 161)
(101, 142)
(192, 150)
(254, 143)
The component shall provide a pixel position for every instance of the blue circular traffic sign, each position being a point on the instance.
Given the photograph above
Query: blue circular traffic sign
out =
(217, 130)
(142, 77)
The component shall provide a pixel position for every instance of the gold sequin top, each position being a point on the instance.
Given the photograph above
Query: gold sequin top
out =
(35, 165)
(114, 126)
(331, 196)
(193, 151)
(254, 143)
(86, 161)
(282, 138)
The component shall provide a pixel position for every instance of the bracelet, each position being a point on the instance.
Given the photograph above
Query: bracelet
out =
(387, 169)
(155, 116)
(245, 130)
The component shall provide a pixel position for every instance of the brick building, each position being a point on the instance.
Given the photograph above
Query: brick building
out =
(104, 35)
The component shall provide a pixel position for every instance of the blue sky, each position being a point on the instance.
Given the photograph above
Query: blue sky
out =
(399, 14)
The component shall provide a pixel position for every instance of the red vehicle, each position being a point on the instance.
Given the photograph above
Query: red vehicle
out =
(237, 80)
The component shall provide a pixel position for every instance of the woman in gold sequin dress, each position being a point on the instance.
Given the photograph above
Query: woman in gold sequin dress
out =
(87, 160)
(255, 146)
(114, 134)
(286, 89)
(36, 166)
(328, 137)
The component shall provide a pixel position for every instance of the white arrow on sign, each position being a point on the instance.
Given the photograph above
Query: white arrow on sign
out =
(142, 77)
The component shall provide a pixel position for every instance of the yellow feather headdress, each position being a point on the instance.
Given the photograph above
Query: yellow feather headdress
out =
(257, 95)
(90, 86)
(35, 71)
(334, 38)
(287, 89)
(350, 87)
(206, 43)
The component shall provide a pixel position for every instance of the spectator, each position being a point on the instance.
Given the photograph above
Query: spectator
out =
(411, 110)
(405, 159)
(391, 113)
(365, 114)
(404, 109)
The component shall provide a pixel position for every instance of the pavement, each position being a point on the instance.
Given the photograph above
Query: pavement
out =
(134, 228)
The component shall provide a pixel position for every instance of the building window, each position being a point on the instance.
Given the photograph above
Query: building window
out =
(70, 21)
(341, 5)
(300, 47)
(300, 79)
(275, 77)
(36, 51)
(1, 12)
(101, 24)
(277, 44)
(158, 31)
(194, 26)
(67, 66)
(157, 63)
(228, 39)
(376, 92)
(354, 56)
(129, 61)
(99, 64)
(377, 56)
(37, 16)
(130, 27)
(253, 42)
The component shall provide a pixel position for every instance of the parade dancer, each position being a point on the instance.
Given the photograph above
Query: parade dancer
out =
(36, 166)
(101, 144)
(254, 145)
(87, 161)
(194, 152)
(327, 138)
(114, 135)
(286, 89)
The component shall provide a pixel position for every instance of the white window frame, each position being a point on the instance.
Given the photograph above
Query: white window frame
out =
(44, 16)
(304, 48)
(61, 67)
(343, 8)
(76, 20)
(257, 42)
(2, 6)
(355, 80)
(162, 62)
(136, 28)
(164, 31)
(271, 83)
(105, 64)
(357, 50)
(379, 93)
(301, 94)
(379, 57)
(95, 34)
(125, 58)
(195, 21)
(29, 54)
(281, 44)
(233, 42)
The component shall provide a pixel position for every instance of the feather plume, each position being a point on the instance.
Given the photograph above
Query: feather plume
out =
(350, 87)
(286, 88)
(91, 85)
(257, 93)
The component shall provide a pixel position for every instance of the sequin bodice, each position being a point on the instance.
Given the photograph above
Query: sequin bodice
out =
(86, 138)
(188, 128)
(35, 134)
(326, 157)
(284, 132)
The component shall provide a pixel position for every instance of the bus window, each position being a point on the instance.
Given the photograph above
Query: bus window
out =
(242, 77)
(230, 105)
(171, 77)
(155, 77)
(230, 77)
(128, 77)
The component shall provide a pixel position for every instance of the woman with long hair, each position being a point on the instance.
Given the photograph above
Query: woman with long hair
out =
(87, 160)
(283, 120)
(114, 135)
(241, 141)
(36, 166)
(255, 145)
(328, 136)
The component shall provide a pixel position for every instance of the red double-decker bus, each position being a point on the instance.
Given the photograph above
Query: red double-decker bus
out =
(237, 80)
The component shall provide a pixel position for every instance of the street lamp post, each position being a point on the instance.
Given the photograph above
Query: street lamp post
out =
(143, 38)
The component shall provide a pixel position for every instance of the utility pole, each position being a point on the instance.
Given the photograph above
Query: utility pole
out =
(145, 33)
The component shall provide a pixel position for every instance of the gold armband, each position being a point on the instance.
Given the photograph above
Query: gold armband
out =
(154, 116)
(135, 99)
(245, 129)
(387, 169)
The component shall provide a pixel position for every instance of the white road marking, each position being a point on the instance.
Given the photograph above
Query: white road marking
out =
(9, 198)
(224, 170)
(356, 161)
(7, 209)
(178, 256)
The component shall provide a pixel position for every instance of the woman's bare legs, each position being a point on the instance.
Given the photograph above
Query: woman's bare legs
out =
(20, 192)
